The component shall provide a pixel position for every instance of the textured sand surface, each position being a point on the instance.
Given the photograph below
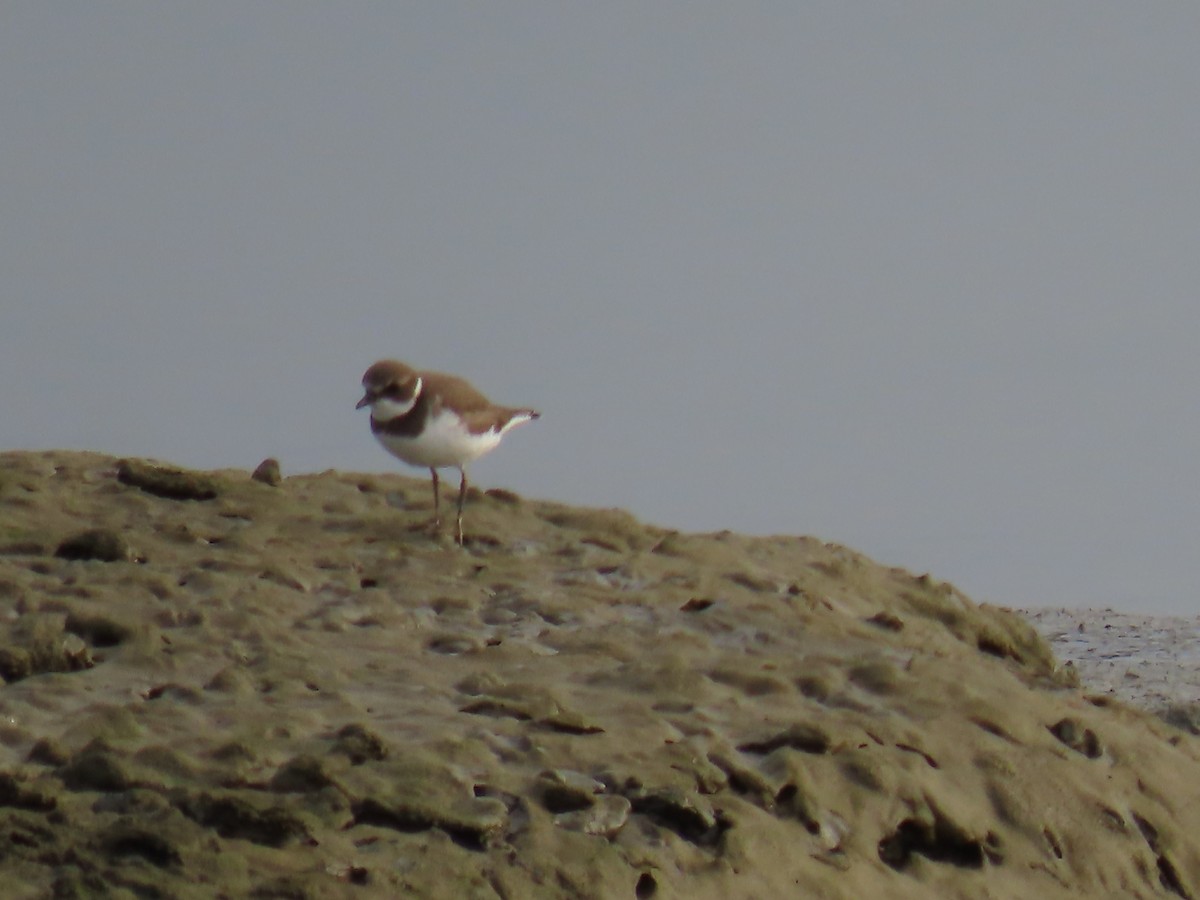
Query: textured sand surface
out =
(220, 687)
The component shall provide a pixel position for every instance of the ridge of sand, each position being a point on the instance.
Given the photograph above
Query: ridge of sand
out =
(294, 691)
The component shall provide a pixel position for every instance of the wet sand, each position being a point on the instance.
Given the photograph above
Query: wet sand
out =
(217, 686)
(1152, 662)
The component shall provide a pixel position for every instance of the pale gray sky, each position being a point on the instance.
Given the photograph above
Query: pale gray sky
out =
(916, 277)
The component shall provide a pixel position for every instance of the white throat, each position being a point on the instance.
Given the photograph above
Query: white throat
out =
(384, 409)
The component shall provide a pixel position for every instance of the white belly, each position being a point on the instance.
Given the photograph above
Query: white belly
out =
(444, 442)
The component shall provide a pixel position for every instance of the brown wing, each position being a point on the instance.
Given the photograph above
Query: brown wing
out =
(476, 410)
(456, 392)
(494, 418)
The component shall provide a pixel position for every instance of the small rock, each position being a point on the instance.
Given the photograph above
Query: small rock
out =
(268, 472)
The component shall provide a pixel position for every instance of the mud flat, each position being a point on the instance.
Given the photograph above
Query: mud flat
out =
(217, 686)
(1147, 661)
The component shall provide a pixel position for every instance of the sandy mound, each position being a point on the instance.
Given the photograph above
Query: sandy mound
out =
(218, 686)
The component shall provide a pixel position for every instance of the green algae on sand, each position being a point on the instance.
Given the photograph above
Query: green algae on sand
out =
(287, 689)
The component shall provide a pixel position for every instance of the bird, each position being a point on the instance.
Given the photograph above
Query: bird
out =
(435, 420)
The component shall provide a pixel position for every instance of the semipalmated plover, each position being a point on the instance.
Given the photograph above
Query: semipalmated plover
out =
(435, 420)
